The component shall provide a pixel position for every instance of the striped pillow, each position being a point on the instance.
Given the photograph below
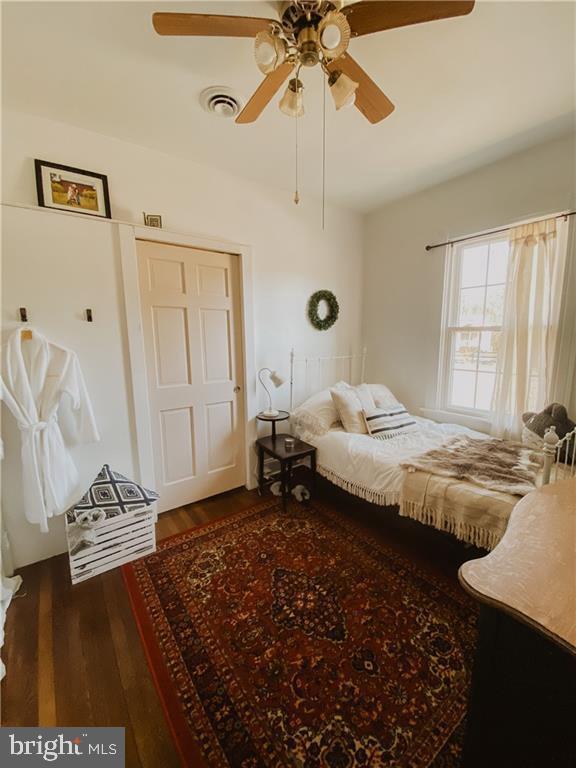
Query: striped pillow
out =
(384, 423)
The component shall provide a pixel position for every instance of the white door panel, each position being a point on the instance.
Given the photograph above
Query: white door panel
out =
(220, 423)
(177, 433)
(216, 345)
(191, 326)
(166, 275)
(170, 329)
(212, 280)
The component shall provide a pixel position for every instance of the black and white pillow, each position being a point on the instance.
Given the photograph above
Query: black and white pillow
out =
(384, 423)
(112, 494)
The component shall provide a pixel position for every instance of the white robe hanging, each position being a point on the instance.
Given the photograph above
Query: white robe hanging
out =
(36, 376)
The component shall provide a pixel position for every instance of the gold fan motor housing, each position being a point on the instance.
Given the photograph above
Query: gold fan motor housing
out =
(308, 50)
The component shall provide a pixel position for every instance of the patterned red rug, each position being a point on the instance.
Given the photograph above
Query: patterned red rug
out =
(298, 639)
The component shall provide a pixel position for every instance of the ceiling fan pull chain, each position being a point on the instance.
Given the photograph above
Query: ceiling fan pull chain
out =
(323, 151)
(296, 195)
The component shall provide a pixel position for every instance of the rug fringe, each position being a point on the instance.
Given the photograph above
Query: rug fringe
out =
(384, 498)
(480, 537)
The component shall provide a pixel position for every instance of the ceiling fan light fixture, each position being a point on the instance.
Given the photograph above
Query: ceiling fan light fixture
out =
(342, 88)
(331, 37)
(350, 101)
(292, 103)
(269, 51)
(334, 34)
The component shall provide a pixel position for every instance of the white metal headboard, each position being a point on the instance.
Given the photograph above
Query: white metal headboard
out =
(311, 374)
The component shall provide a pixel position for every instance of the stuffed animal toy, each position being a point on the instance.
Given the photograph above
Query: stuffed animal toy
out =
(82, 532)
(301, 493)
(276, 488)
(536, 424)
(554, 415)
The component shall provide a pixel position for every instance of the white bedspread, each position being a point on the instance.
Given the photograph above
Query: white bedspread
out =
(368, 467)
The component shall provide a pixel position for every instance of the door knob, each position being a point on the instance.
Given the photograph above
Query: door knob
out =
(236, 388)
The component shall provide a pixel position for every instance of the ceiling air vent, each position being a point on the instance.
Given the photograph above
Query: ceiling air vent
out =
(221, 101)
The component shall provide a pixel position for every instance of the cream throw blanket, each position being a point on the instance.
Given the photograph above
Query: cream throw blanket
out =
(468, 487)
(473, 514)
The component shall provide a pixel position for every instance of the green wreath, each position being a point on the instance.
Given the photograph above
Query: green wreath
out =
(323, 323)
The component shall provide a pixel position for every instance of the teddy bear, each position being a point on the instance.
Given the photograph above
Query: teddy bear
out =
(536, 424)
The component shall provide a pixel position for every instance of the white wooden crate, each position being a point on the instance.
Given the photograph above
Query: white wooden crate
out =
(118, 540)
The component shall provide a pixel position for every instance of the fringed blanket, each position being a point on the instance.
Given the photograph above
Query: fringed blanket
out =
(499, 465)
(468, 487)
(470, 512)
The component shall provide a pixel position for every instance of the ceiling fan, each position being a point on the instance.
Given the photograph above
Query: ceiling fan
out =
(310, 33)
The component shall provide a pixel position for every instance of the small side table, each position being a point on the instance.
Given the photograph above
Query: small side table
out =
(274, 446)
(282, 416)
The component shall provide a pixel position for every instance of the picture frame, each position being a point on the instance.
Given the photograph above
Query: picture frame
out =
(153, 220)
(72, 189)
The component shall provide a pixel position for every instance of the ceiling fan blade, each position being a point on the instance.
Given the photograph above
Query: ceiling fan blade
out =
(264, 93)
(370, 100)
(208, 25)
(367, 17)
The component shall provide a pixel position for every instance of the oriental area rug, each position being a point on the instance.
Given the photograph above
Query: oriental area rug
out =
(299, 639)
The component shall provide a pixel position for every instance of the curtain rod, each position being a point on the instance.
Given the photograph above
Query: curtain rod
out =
(492, 232)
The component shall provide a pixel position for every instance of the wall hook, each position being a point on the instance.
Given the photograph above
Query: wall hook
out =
(23, 315)
(89, 317)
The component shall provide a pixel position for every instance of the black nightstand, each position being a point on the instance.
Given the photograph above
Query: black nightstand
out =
(274, 446)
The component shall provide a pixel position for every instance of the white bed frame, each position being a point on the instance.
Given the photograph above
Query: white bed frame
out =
(311, 374)
(321, 372)
(554, 449)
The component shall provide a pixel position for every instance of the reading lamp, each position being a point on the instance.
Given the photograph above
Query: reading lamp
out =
(277, 380)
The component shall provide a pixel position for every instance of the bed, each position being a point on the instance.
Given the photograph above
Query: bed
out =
(370, 468)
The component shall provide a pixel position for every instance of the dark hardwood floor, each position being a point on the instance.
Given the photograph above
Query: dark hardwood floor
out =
(74, 656)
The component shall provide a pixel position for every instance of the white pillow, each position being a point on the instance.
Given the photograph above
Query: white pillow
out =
(350, 402)
(382, 395)
(315, 416)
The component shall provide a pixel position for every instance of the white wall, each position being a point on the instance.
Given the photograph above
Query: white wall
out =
(58, 265)
(403, 283)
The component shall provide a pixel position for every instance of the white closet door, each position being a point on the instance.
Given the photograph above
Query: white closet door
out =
(191, 326)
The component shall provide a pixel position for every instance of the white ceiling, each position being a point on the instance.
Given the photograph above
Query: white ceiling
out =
(467, 91)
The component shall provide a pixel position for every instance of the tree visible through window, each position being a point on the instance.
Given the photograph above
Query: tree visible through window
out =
(473, 322)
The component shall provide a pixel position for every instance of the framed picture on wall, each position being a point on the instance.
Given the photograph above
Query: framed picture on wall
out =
(72, 189)
(153, 220)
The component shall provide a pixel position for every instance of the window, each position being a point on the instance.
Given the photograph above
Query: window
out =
(473, 311)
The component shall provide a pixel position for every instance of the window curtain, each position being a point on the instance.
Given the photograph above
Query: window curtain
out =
(564, 373)
(528, 352)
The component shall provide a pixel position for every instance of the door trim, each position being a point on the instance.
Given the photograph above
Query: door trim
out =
(134, 341)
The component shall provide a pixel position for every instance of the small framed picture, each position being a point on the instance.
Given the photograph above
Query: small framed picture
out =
(72, 189)
(153, 220)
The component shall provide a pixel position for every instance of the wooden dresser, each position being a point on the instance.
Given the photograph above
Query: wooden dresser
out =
(522, 708)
